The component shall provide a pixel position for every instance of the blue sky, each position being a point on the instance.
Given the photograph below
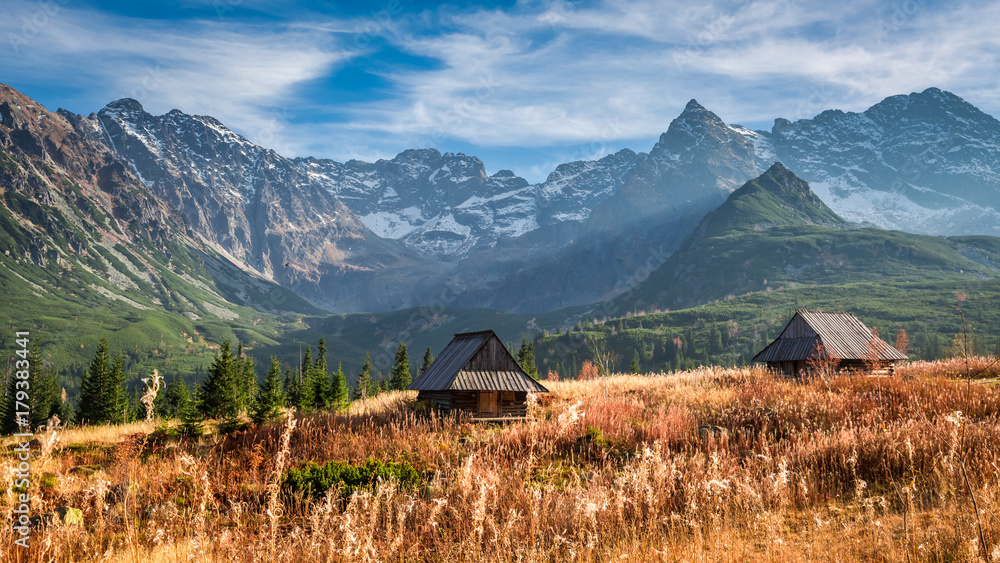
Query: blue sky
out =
(524, 85)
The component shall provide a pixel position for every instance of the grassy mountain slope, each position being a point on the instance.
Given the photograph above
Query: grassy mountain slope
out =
(772, 248)
(775, 233)
(731, 331)
(86, 250)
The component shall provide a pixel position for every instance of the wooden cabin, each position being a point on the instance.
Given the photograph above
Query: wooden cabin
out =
(475, 373)
(814, 340)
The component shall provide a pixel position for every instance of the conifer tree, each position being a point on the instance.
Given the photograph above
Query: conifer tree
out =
(249, 383)
(715, 344)
(93, 387)
(321, 377)
(269, 399)
(339, 396)
(116, 399)
(292, 387)
(307, 390)
(42, 390)
(218, 396)
(11, 423)
(245, 380)
(526, 358)
(46, 399)
(190, 416)
(175, 396)
(399, 377)
(428, 360)
(634, 366)
(364, 379)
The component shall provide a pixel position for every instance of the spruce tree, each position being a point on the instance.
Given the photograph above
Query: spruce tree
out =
(245, 380)
(248, 381)
(268, 399)
(11, 423)
(321, 377)
(399, 377)
(364, 379)
(526, 358)
(175, 396)
(92, 387)
(530, 359)
(428, 360)
(44, 388)
(634, 366)
(339, 396)
(715, 344)
(292, 388)
(116, 399)
(53, 405)
(190, 416)
(307, 389)
(217, 397)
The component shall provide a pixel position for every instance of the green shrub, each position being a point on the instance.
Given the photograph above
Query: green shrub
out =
(314, 480)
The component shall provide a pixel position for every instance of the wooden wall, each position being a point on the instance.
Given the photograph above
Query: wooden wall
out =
(798, 328)
(510, 403)
(800, 367)
(492, 357)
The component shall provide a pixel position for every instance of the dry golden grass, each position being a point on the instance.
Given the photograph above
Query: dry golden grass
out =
(709, 465)
(979, 367)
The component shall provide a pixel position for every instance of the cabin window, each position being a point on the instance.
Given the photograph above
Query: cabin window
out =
(507, 396)
(488, 402)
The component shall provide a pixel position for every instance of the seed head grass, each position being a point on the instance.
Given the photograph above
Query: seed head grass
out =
(712, 465)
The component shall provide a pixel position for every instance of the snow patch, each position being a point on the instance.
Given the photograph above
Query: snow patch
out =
(581, 215)
(887, 210)
(115, 297)
(392, 224)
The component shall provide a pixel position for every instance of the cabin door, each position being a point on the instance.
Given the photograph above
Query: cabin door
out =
(488, 402)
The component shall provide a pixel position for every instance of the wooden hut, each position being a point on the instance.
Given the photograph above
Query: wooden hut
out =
(814, 340)
(475, 373)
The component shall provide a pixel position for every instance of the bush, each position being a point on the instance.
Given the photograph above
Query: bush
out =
(314, 480)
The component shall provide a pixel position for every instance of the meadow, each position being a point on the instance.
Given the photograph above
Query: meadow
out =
(705, 465)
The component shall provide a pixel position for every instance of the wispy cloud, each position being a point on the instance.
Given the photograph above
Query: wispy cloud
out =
(560, 74)
(561, 77)
(242, 74)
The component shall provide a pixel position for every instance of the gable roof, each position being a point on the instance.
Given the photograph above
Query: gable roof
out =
(842, 335)
(452, 369)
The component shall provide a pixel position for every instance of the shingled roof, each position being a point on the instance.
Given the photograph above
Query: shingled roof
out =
(471, 362)
(842, 335)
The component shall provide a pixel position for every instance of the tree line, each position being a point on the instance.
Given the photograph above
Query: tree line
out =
(231, 390)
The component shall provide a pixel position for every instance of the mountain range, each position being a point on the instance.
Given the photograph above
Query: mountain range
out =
(775, 232)
(361, 236)
(175, 223)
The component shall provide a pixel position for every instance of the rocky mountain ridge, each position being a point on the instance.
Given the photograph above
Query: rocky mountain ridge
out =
(927, 162)
(775, 233)
(380, 236)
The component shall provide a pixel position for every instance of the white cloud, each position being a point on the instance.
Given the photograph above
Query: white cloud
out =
(244, 75)
(542, 74)
(537, 75)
